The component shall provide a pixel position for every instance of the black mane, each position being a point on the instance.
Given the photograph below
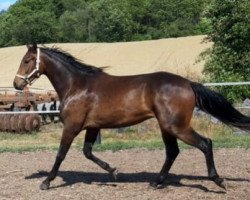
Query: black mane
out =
(55, 52)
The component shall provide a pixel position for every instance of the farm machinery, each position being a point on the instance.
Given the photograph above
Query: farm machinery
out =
(26, 111)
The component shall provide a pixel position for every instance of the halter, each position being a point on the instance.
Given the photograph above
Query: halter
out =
(26, 78)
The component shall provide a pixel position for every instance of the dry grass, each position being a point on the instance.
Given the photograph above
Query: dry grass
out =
(145, 135)
(204, 126)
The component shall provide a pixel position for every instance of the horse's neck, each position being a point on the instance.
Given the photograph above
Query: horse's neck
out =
(60, 77)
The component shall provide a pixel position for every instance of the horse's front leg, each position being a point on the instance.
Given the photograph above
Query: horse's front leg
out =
(90, 138)
(69, 133)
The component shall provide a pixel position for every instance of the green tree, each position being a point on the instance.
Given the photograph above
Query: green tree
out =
(28, 21)
(229, 59)
(111, 20)
(74, 26)
(74, 22)
(101, 20)
(174, 18)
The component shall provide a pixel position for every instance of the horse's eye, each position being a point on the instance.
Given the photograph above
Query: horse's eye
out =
(26, 61)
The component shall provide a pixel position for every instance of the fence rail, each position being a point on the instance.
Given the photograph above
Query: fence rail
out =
(31, 89)
(31, 112)
(226, 84)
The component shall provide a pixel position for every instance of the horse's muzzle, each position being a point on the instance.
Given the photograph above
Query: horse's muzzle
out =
(19, 84)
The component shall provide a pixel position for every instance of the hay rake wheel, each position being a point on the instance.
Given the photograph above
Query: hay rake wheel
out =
(6, 125)
(1, 121)
(32, 123)
(20, 123)
(12, 123)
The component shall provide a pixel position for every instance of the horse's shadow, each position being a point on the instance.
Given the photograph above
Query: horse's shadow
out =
(73, 177)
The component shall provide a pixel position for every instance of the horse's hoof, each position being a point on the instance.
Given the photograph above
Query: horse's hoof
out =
(114, 173)
(156, 185)
(44, 186)
(153, 185)
(220, 182)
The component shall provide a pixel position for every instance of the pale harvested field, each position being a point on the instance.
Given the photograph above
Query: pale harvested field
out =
(177, 55)
(79, 178)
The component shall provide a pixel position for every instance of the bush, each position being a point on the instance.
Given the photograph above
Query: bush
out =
(229, 58)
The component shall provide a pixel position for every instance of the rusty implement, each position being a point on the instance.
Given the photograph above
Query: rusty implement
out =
(25, 111)
(20, 123)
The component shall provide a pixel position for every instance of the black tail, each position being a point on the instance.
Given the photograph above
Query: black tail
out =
(215, 104)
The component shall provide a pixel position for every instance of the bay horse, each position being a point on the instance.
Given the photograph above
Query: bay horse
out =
(91, 99)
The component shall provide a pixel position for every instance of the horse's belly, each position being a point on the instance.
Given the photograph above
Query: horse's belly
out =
(116, 119)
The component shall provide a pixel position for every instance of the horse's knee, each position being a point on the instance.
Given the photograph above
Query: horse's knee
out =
(87, 150)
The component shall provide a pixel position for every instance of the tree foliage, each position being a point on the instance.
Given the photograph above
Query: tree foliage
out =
(174, 18)
(48, 21)
(28, 21)
(229, 59)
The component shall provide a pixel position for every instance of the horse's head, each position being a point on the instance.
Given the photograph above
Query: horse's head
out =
(29, 69)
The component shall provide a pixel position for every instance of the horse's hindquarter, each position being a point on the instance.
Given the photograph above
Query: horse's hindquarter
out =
(174, 102)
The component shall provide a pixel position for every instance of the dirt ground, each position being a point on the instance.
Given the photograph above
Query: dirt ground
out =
(21, 174)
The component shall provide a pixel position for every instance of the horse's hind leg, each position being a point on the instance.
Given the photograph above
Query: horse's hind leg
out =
(172, 151)
(205, 145)
(90, 138)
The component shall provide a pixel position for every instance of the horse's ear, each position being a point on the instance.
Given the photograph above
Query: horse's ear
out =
(32, 47)
(28, 46)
